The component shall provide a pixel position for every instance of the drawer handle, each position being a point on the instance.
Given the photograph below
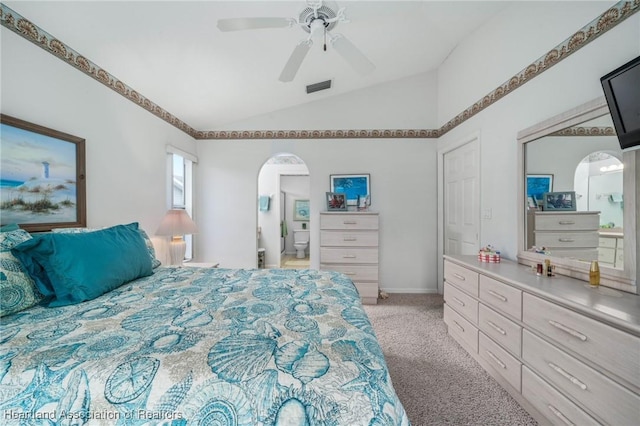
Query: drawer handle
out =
(349, 256)
(458, 301)
(568, 376)
(568, 330)
(561, 416)
(496, 328)
(567, 222)
(350, 222)
(460, 277)
(458, 325)
(566, 240)
(497, 295)
(349, 239)
(496, 359)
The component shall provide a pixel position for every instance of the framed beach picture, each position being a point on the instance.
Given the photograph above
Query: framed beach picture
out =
(537, 185)
(301, 210)
(42, 177)
(352, 185)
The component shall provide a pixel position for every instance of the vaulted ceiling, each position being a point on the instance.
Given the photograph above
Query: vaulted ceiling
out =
(172, 52)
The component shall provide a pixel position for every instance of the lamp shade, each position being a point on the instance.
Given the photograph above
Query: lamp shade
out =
(176, 222)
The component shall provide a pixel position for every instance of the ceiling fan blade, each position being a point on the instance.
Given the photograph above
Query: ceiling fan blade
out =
(295, 60)
(352, 54)
(237, 24)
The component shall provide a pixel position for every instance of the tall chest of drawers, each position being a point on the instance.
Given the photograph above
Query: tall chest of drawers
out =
(567, 234)
(349, 244)
(569, 354)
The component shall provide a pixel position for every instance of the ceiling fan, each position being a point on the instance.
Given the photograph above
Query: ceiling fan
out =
(318, 20)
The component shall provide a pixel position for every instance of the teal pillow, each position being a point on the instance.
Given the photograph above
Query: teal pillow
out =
(73, 268)
(10, 227)
(17, 289)
(152, 251)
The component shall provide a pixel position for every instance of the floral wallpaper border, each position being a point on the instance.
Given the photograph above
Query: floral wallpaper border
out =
(603, 23)
(585, 131)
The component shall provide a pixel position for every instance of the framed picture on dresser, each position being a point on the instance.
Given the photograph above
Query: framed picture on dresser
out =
(538, 184)
(336, 201)
(560, 201)
(353, 186)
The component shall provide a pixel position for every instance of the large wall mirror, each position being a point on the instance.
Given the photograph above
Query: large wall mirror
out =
(577, 155)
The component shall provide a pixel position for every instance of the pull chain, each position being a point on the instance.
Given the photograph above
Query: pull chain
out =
(325, 39)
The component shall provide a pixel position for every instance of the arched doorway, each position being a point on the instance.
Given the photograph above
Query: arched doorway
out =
(283, 212)
(598, 182)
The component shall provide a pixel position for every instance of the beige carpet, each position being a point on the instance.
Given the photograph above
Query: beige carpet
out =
(436, 380)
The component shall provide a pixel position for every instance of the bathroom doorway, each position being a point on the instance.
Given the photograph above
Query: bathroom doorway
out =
(283, 212)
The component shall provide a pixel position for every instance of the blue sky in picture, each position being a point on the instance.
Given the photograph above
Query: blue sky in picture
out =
(23, 153)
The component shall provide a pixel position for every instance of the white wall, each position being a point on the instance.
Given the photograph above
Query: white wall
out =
(504, 46)
(568, 151)
(568, 84)
(408, 103)
(403, 191)
(125, 144)
(403, 172)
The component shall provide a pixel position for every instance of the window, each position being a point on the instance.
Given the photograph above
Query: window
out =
(181, 187)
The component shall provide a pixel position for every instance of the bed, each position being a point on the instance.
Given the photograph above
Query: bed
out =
(200, 346)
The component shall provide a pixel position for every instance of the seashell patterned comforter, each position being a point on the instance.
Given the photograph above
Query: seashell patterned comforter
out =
(204, 346)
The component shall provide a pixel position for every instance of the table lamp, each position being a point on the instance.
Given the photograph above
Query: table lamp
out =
(175, 224)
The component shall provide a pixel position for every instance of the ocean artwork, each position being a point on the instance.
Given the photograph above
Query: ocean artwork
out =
(351, 185)
(39, 177)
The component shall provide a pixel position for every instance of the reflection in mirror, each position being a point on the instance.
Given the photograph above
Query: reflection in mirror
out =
(583, 159)
(578, 153)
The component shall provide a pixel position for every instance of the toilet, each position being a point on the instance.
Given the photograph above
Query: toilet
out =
(300, 242)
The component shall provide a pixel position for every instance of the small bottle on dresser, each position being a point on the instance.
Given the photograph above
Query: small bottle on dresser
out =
(594, 274)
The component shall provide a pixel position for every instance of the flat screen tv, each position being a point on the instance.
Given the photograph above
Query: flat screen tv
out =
(622, 92)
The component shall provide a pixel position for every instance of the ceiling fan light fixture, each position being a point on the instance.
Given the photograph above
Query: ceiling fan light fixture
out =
(317, 27)
(316, 19)
(323, 14)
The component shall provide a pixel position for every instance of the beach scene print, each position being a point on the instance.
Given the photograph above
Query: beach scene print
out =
(37, 178)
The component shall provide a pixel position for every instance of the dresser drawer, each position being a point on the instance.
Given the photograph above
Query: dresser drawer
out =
(501, 329)
(606, 255)
(348, 255)
(613, 403)
(567, 222)
(576, 253)
(614, 350)
(348, 221)
(551, 403)
(501, 296)
(461, 302)
(349, 238)
(620, 257)
(462, 277)
(567, 239)
(506, 365)
(607, 242)
(367, 290)
(355, 272)
(462, 330)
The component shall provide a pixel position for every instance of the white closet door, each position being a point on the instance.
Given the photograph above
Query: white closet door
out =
(461, 199)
